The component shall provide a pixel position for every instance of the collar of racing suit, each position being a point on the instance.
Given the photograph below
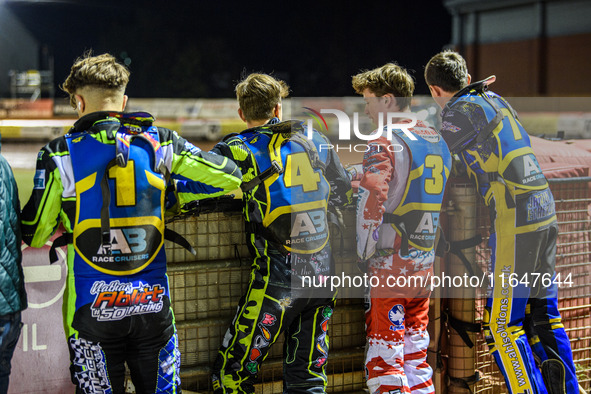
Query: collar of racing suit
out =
(479, 86)
(87, 122)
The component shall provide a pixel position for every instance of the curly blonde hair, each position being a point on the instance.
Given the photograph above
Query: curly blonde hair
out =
(389, 78)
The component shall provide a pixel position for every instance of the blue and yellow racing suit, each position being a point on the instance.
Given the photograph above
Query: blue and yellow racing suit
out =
(105, 182)
(482, 128)
(289, 185)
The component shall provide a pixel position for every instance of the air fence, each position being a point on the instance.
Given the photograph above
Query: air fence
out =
(206, 289)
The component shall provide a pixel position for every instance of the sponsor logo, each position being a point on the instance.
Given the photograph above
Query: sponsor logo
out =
(507, 344)
(530, 165)
(396, 316)
(128, 249)
(428, 225)
(447, 126)
(540, 206)
(115, 300)
(192, 148)
(126, 241)
(133, 129)
(39, 180)
(308, 223)
(89, 366)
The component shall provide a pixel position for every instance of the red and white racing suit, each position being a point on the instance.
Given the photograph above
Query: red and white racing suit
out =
(392, 206)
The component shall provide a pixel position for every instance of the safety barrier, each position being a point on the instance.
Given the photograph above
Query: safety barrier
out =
(573, 209)
(206, 290)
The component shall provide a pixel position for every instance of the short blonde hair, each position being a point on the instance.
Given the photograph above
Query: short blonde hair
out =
(102, 71)
(258, 94)
(389, 78)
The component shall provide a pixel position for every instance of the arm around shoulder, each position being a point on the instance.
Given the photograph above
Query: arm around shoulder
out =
(201, 174)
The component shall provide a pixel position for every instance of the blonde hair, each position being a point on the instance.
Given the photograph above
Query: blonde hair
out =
(389, 78)
(258, 94)
(102, 72)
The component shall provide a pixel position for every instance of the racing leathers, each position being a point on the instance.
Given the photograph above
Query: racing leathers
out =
(290, 183)
(400, 195)
(105, 183)
(482, 128)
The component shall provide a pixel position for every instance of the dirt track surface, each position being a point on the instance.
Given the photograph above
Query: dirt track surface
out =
(21, 155)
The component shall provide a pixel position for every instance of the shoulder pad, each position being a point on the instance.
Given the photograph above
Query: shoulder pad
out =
(73, 131)
(287, 127)
(138, 116)
(228, 137)
(477, 87)
(86, 122)
(136, 122)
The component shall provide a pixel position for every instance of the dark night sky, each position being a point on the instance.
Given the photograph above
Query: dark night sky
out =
(184, 48)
